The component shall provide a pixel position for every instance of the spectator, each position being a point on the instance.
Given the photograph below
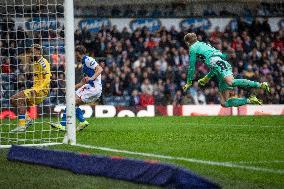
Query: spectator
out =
(187, 99)
(255, 55)
(178, 99)
(134, 85)
(159, 92)
(281, 98)
(256, 27)
(139, 63)
(266, 27)
(170, 88)
(247, 44)
(249, 73)
(211, 97)
(162, 64)
(147, 87)
(237, 43)
(216, 35)
(117, 87)
(134, 99)
(146, 100)
(193, 92)
(265, 70)
(200, 98)
(278, 43)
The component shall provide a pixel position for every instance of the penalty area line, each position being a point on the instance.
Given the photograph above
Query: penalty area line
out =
(191, 160)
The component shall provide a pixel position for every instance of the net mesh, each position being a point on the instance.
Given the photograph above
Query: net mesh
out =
(22, 24)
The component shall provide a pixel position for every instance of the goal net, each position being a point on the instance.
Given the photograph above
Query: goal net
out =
(24, 23)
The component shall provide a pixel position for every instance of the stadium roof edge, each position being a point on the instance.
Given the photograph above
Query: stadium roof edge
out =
(132, 2)
(125, 2)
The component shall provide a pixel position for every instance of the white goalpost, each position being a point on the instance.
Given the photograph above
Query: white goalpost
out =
(70, 136)
(49, 23)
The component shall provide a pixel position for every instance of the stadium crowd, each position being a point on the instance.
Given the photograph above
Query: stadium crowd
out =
(142, 68)
(154, 65)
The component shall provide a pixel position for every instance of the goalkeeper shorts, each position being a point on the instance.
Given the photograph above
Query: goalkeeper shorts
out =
(221, 69)
(37, 98)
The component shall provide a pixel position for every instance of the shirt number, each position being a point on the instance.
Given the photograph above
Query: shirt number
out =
(92, 63)
(222, 65)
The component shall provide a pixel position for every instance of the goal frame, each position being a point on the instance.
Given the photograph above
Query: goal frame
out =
(70, 136)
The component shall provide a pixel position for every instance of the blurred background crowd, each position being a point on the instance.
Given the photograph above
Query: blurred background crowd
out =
(143, 67)
(152, 67)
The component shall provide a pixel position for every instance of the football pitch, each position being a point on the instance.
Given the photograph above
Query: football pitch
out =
(235, 152)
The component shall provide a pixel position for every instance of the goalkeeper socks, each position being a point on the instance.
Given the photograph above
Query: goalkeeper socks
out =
(245, 83)
(22, 120)
(79, 114)
(236, 102)
(63, 121)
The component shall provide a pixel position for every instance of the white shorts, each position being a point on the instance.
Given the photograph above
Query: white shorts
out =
(88, 94)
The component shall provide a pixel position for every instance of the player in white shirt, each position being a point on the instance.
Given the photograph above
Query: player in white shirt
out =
(88, 90)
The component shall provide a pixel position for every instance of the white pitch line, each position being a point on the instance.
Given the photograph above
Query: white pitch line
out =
(198, 124)
(261, 162)
(247, 126)
(207, 162)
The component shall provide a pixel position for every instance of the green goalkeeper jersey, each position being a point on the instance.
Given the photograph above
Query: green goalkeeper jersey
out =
(201, 52)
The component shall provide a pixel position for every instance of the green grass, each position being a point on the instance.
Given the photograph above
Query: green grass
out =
(39, 133)
(248, 141)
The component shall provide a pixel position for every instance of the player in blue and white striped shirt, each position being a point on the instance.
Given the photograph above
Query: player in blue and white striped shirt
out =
(88, 90)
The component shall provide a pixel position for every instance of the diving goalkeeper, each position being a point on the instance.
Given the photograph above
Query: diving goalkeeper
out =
(213, 58)
(35, 95)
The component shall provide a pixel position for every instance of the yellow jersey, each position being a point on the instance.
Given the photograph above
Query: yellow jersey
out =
(42, 74)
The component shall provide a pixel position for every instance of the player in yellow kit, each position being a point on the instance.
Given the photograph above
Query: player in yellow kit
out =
(36, 94)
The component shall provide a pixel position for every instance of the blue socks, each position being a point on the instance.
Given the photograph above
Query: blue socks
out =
(79, 116)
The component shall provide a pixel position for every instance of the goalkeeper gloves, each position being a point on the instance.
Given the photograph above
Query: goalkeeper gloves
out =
(186, 86)
(203, 81)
